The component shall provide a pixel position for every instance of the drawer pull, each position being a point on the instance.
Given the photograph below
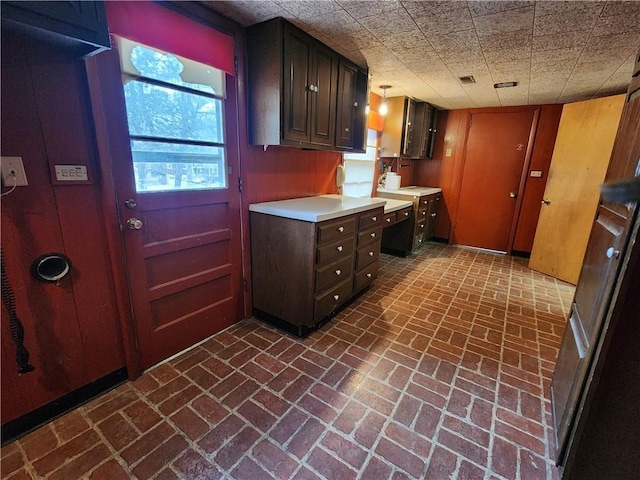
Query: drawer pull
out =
(338, 272)
(406, 214)
(374, 219)
(388, 220)
(339, 248)
(434, 215)
(336, 297)
(422, 225)
(373, 235)
(371, 254)
(368, 275)
(424, 214)
(341, 229)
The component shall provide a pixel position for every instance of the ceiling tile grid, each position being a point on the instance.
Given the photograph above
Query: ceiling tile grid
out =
(557, 51)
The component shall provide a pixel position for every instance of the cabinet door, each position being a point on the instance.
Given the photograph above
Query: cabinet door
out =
(347, 103)
(83, 21)
(360, 118)
(324, 78)
(408, 127)
(296, 87)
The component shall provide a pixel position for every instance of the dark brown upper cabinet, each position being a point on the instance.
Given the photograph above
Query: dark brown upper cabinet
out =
(351, 119)
(424, 131)
(397, 137)
(295, 90)
(80, 26)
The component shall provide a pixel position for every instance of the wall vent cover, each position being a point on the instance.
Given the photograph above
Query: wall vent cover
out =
(467, 79)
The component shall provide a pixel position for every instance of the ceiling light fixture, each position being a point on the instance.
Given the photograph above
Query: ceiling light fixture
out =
(384, 109)
(505, 84)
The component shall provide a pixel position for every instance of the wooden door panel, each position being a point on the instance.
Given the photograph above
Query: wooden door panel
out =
(495, 155)
(580, 158)
(323, 100)
(296, 82)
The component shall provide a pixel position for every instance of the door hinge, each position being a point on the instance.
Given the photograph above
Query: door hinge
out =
(240, 184)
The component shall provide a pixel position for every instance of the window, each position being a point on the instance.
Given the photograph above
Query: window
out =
(175, 112)
(360, 169)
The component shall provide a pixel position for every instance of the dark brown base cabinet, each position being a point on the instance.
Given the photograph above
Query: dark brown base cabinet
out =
(407, 237)
(304, 272)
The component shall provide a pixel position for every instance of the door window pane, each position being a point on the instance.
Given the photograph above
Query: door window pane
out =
(162, 166)
(166, 113)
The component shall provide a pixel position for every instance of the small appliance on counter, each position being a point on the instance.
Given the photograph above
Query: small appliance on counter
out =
(389, 181)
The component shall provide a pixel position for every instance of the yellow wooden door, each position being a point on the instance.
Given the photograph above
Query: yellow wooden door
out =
(580, 158)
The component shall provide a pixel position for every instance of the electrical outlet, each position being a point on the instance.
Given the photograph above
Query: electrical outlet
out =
(13, 172)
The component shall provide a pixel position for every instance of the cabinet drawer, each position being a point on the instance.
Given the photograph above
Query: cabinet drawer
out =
(371, 218)
(335, 251)
(334, 297)
(418, 239)
(403, 214)
(365, 276)
(367, 254)
(389, 219)
(422, 214)
(341, 228)
(333, 273)
(420, 228)
(369, 236)
(423, 201)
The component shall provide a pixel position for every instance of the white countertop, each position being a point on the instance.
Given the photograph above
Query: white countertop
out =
(393, 205)
(317, 209)
(412, 191)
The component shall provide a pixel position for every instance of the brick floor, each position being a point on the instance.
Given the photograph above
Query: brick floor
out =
(440, 370)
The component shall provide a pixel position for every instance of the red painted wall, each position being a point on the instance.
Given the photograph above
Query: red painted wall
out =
(71, 329)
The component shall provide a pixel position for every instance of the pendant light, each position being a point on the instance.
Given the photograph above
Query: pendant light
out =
(384, 109)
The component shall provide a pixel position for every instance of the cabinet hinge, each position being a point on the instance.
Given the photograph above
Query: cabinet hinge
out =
(245, 285)
(240, 184)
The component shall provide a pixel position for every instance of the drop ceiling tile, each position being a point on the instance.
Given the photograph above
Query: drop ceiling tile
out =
(628, 8)
(574, 97)
(581, 20)
(392, 22)
(366, 8)
(466, 39)
(440, 17)
(576, 39)
(248, 12)
(562, 7)
(502, 41)
(431, 66)
(404, 40)
(504, 72)
(543, 99)
(618, 40)
(603, 59)
(618, 24)
(306, 8)
(484, 7)
(502, 22)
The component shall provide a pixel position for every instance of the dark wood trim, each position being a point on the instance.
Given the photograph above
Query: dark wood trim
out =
(27, 423)
(112, 224)
(523, 178)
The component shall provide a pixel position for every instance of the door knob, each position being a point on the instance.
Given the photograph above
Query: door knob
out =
(546, 202)
(612, 252)
(513, 195)
(134, 223)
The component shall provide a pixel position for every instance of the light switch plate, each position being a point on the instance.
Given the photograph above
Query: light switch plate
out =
(13, 166)
(71, 173)
(536, 173)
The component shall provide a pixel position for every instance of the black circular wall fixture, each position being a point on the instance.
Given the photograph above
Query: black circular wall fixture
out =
(51, 267)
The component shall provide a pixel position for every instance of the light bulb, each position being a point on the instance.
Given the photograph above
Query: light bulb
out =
(383, 108)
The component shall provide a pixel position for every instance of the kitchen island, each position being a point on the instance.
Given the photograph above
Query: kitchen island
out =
(312, 255)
